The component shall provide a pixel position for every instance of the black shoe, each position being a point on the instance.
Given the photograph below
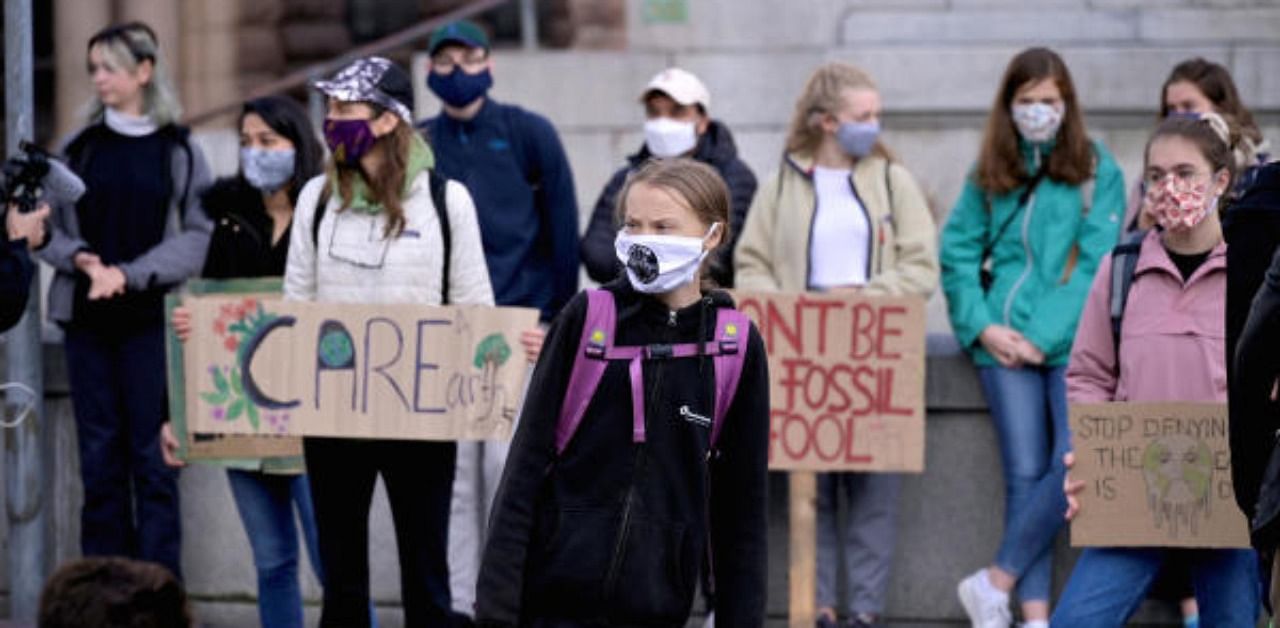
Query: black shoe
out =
(826, 622)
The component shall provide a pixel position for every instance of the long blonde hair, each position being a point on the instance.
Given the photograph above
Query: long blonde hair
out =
(824, 95)
(124, 47)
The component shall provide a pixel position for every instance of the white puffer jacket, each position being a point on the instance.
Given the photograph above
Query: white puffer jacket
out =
(353, 263)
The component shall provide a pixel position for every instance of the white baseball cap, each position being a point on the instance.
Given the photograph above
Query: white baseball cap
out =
(681, 85)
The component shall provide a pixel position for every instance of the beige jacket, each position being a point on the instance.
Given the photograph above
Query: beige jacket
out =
(773, 252)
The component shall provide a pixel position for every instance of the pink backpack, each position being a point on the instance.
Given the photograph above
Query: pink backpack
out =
(727, 349)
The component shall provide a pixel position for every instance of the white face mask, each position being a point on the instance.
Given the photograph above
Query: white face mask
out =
(1037, 122)
(661, 263)
(666, 138)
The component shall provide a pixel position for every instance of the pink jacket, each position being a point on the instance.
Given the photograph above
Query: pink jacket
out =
(1172, 339)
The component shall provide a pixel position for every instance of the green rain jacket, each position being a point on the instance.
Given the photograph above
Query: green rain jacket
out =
(1037, 289)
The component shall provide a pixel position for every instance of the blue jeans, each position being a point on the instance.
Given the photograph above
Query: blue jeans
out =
(118, 394)
(1108, 584)
(1029, 409)
(266, 503)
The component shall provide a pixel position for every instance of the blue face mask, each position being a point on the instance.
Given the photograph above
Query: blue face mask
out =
(267, 170)
(858, 138)
(457, 88)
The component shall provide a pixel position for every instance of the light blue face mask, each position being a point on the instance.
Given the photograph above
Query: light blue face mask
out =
(267, 170)
(858, 138)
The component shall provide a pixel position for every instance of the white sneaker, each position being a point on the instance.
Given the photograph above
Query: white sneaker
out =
(711, 620)
(987, 606)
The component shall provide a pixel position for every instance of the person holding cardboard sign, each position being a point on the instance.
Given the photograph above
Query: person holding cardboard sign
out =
(639, 459)
(369, 231)
(253, 214)
(1168, 347)
(839, 185)
(1041, 208)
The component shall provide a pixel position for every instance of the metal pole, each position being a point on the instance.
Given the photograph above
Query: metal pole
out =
(529, 24)
(25, 481)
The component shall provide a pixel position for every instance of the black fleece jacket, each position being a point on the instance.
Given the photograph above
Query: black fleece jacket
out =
(614, 533)
(241, 243)
(715, 148)
(1252, 230)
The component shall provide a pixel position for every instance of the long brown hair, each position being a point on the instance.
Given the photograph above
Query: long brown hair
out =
(694, 182)
(1000, 167)
(1214, 81)
(386, 186)
(824, 95)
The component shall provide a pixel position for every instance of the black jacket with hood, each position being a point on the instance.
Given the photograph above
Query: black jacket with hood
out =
(241, 244)
(613, 532)
(715, 148)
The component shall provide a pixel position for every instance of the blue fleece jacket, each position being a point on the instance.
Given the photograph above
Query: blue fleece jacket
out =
(512, 162)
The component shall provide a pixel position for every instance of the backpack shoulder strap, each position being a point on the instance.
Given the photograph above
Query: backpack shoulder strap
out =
(733, 330)
(1124, 260)
(322, 205)
(588, 364)
(439, 189)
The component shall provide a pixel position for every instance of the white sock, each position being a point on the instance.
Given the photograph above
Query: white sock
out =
(1039, 623)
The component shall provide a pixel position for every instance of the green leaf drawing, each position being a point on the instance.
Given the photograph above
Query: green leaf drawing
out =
(220, 382)
(253, 414)
(214, 399)
(237, 384)
(236, 409)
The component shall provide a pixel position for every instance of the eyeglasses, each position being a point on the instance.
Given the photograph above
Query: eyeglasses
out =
(444, 62)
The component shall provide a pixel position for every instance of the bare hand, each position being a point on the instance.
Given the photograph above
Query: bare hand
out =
(1029, 353)
(86, 262)
(29, 226)
(181, 321)
(1004, 344)
(169, 446)
(107, 282)
(532, 340)
(1071, 488)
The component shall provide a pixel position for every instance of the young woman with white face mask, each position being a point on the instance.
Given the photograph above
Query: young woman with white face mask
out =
(1170, 350)
(1019, 250)
(843, 215)
(612, 526)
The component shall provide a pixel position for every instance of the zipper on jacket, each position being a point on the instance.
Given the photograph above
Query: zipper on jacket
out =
(620, 546)
(1026, 251)
(671, 318)
(871, 228)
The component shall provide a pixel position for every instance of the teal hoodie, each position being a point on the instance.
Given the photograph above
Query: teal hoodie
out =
(1032, 291)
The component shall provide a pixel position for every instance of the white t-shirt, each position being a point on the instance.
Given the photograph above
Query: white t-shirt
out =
(838, 248)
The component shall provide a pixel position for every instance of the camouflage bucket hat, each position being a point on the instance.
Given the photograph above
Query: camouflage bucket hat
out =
(372, 79)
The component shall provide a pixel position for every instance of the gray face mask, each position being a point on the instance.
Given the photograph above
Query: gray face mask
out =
(267, 170)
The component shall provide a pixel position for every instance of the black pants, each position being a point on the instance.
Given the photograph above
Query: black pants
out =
(419, 479)
(130, 496)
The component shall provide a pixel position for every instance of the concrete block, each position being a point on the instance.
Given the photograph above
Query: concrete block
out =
(1210, 25)
(1050, 26)
(987, 5)
(1255, 72)
(752, 87)
(898, 5)
(731, 24)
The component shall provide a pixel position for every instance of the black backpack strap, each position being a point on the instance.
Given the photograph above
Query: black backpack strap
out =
(322, 205)
(1124, 260)
(439, 187)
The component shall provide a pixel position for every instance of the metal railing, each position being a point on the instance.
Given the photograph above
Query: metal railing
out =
(303, 76)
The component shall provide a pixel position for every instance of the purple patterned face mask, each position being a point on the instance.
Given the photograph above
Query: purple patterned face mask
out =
(348, 140)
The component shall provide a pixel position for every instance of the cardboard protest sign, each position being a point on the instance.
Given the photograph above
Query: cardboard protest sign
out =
(1156, 474)
(261, 366)
(846, 377)
(194, 446)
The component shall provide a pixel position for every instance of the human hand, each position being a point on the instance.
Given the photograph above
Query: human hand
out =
(85, 262)
(1029, 353)
(30, 226)
(107, 282)
(532, 340)
(169, 446)
(1071, 488)
(1004, 344)
(181, 321)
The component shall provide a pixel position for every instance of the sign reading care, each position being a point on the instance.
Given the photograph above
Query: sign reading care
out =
(1155, 474)
(268, 366)
(846, 380)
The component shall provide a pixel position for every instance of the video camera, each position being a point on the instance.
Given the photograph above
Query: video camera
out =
(35, 175)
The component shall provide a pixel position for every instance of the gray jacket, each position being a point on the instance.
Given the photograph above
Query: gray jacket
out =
(179, 256)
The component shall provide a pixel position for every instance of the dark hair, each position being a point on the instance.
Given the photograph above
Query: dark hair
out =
(386, 187)
(286, 117)
(1000, 165)
(113, 592)
(130, 34)
(1214, 81)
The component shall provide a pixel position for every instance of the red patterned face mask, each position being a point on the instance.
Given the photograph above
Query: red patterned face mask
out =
(1176, 204)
